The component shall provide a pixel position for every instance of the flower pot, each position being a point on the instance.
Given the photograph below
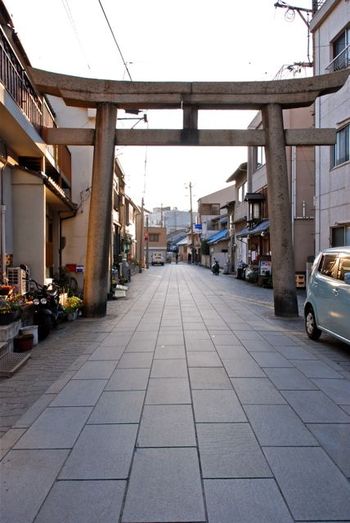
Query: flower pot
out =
(71, 316)
(23, 342)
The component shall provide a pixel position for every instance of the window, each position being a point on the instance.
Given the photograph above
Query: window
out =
(153, 237)
(344, 266)
(340, 236)
(328, 265)
(242, 191)
(341, 51)
(215, 208)
(260, 157)
(341, 150)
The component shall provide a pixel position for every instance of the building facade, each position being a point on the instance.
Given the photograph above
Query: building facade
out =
(330, 27)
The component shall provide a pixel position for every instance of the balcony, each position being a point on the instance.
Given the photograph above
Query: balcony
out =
(18, 85)
(341, 61)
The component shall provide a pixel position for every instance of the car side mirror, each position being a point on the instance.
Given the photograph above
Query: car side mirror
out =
(347, 278)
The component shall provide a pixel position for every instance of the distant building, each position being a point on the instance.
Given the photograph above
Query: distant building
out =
(172, 219)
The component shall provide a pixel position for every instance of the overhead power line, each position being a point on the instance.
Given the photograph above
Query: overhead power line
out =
(71, 21)
(115, 39)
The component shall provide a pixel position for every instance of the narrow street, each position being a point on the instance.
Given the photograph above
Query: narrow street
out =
(188, 402)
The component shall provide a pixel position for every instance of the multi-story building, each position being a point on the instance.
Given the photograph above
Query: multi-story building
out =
(45, 190)
(330, 27)
(36, 179)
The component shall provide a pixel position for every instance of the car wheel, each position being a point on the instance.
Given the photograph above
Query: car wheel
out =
(310, 324)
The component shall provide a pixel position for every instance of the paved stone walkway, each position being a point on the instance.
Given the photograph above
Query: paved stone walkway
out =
(190, 403)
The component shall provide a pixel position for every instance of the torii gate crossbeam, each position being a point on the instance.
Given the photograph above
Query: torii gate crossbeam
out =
(269, 97)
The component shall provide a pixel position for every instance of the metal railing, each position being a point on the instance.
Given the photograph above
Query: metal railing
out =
(17, 83)
(341, 61)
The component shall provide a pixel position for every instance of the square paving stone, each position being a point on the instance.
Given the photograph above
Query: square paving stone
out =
(256, 391)
(257, 345)
(169, 352)
(136, 360)
(196, 335)
(175, 368)
(171, 338)
(278, 425)
(289, 379)
(107, 353)
(315, 369)
(209, 378)
(83, 502)
(230, 352)
(295, 353)
(311, 484)
(279, 339)
(165, 486)
(117, 339)
(168, 390)
(220, 339)
(243, 366)
(128, 379)
(101, 452)
(230, 450)
(200, 345)
(270, 359)
(144, 336)
(335, 439)
(141, 346)
(315, 407)
(337, 390)
(94, 370)
(245, 501)
(203, 359)
(118, 407)
(55, 428)
(167, 426)
(79, 393)
(217, 406)
(26, 478)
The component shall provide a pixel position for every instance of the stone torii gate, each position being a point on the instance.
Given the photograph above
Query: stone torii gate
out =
(270, 97)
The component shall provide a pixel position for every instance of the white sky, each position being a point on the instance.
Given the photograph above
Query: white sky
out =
(180, 40)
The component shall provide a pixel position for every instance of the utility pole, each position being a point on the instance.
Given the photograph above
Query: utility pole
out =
(191, 221)
(142, 233)
(147, 240)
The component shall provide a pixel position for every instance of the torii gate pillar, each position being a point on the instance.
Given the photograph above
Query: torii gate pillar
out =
(98, 242)
(284, 293)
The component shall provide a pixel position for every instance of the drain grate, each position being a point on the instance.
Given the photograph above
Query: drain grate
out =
(11, 362)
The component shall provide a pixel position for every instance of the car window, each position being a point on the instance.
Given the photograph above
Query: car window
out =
(328, 265)
(344, 267)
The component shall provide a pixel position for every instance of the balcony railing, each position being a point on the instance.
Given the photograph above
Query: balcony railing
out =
(17, 83)
(37, 110)
(341, 61)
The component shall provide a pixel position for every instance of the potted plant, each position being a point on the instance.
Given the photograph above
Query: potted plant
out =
(7, 313)
(72, 306)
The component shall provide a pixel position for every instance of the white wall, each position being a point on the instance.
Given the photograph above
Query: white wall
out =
(332, 185)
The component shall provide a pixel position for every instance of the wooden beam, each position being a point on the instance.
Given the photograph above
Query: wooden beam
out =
(184, 137)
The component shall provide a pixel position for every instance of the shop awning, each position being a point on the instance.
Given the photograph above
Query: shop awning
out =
(217, 237)
(254, 231)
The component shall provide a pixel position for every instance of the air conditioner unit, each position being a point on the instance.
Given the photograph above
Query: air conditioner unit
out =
(17, 277)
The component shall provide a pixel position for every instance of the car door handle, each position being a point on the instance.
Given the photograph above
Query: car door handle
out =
(335, 292)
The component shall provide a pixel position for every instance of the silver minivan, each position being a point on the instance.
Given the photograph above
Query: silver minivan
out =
(327, 304)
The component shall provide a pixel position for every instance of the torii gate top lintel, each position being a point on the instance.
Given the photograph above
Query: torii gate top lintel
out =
(88, 92)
